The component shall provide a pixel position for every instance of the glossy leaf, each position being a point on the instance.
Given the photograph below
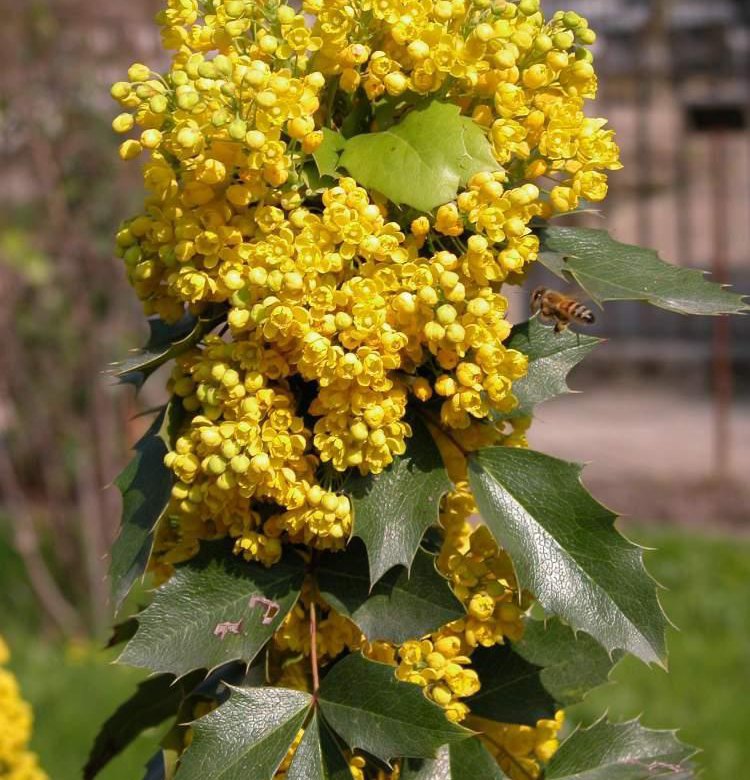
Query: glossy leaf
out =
(318, 756)
(371, 710)
(566, 550)
(611, 271)
(155, 700)
(572, 664)
(145, 485)
(423, 160)
(165, 343)
(327, 155)
(206, 615)
(392, 510)
(621, 751)
(551, 357)
(400, 606)
(512, 691)
(467, 760)
(247, 737)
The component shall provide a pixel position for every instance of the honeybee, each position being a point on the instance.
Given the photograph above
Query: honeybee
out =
(559, 308)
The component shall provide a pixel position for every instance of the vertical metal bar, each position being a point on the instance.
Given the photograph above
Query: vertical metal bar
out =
(723, 379)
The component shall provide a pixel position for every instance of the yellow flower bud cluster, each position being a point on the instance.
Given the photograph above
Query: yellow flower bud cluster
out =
(520, 750)
(16, 761)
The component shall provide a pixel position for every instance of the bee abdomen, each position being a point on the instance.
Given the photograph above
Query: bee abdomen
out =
(582, 314)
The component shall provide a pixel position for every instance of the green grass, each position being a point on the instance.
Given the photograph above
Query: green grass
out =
(705, 693)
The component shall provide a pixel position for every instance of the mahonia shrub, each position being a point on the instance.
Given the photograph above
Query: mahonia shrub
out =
(17, 762)
(337, 196)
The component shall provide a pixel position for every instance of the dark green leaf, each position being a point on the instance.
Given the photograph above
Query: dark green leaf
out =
(621, 751)
(611, 271)
(206, 615)
(371, 710)
(512, 691)
(551, 357)
(146, 485)
(392, 510)
(400, 606)
(327, 155)
(154, 701)
(318, 756)
(424, 159)
(467, 760)
(566, 550)
(247, 737)
(572, 664)
(122, 632)
(165, 342)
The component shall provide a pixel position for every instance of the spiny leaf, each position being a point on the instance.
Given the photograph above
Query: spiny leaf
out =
(154, 701)
(467, 760)
(146, 485)
(247, 737)
(165, 342)
(209, 613)
(400, 606)
(371, 710)
(424, 159)
(327, 155)
(621, 751)
(318, 756)
(572, 664)
(551, 357)
(611, 271)
(566, 550)
(512, 691)
(392, 510)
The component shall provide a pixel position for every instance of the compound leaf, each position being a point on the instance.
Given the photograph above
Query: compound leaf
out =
(318, 756)
(466, 760)
(551, 357)
(423, 160)
(512, 691)
(212, 611)
(621, 751)
(371, 710)
(401, 605)
(247, 737)
(566, 550)
(611, 271)
(145, 485)
(572, 663)
(393, 509)
(155, 700)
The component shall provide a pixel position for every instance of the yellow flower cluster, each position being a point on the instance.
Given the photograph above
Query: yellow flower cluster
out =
(348, 315)
(520, 750)
(16, 761)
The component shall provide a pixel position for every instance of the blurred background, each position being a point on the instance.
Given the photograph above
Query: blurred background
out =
(664, 417)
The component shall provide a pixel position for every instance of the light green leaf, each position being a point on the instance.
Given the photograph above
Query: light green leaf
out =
(209, 613)
(373, 711)
(318, 756)
(566, 550)
(573, 664)
(621, 751)
(392, 510)
(146, 485)
(400, 606)
(512, 691)
(155, 700)
(247, 737)
(467, 760)
(611, 271)
(327, 155)
(551, 357)
(423, 160)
